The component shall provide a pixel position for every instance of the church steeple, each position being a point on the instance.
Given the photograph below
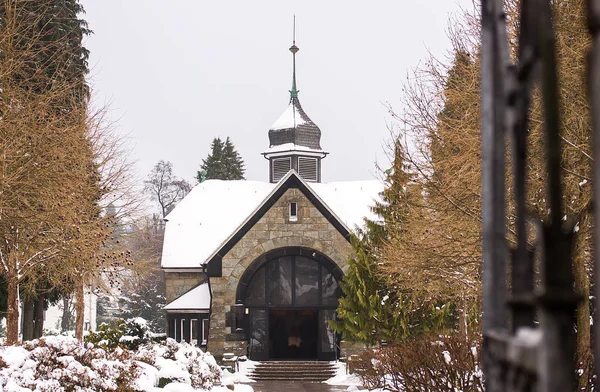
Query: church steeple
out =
(295, 140)
(294, 49)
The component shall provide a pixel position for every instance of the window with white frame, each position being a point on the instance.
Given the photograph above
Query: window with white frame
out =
(293, 211)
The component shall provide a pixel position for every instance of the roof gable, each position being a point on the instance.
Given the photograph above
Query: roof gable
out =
(291, 180)
(216, 214)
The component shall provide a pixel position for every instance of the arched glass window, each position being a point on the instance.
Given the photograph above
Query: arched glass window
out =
(290, 297)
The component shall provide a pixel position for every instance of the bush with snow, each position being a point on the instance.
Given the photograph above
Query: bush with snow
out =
(131, 334)
(180, 362)
(61, 363)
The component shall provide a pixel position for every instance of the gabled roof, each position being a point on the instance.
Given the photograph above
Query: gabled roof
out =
(197, 298)
(212, 218)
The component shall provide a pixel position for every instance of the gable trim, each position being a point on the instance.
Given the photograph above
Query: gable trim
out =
(290, 181)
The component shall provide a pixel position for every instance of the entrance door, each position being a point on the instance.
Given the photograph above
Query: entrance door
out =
(294, 334)
(288, 301)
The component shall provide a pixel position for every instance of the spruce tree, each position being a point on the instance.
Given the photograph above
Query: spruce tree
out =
(372, 308)
(234, 165)
(223, 163)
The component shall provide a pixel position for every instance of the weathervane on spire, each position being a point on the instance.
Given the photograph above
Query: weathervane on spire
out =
(294, 49)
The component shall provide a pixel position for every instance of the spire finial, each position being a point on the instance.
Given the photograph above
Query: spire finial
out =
(294, 49)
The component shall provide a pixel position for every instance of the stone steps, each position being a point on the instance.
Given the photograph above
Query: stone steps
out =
(293, 370)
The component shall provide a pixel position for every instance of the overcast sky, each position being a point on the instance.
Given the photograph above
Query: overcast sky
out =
(178, 73)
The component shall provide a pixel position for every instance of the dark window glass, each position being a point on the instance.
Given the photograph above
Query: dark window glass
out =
(255, 295)
(258, 336)
(280, 281)
(172, 328)
(307, 281)
(183, 336)
(293, 211)
(205, 328)
(331, 290)
(327, 334)
(195, 331)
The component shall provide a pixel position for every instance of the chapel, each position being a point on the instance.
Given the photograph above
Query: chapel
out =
(253, 268)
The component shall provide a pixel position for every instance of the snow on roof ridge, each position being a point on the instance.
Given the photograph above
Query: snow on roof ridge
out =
(292, 147)
(215, 210)
(290, 118)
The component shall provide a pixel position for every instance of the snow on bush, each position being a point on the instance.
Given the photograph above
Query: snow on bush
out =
(181, 362)
(131, 333)
(61, 363)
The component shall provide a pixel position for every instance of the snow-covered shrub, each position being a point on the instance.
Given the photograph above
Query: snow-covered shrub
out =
(440, 364)
(181, 362)
(63, 364)
(131, 334)
(59, 363)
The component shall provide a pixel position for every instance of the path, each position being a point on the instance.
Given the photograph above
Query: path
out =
(295, 386)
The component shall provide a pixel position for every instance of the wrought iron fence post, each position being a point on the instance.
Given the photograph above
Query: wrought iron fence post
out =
(493, 185)
(541, 361)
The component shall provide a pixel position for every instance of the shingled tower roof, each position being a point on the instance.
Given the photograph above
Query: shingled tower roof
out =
(294, 140)
(294, 125)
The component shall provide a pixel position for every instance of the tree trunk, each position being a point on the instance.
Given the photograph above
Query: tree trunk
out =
(582, 289)
(65, 323)
(79, 310)
(12, 311)
(38, 316)
(27, 320)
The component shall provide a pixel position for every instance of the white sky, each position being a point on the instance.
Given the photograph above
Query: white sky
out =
(178, 73)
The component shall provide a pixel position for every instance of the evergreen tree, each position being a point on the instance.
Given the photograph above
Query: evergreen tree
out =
(223, 163)
(372, 308)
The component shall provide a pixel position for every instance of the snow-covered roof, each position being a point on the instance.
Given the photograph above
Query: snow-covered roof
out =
(287, 147)
(196, 299)
(206, 217)
(214, 210)
(290, 118)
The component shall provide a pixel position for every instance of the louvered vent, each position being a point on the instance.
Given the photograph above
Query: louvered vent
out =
(281, 166)
(307, 168)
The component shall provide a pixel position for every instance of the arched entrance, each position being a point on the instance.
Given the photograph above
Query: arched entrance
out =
(289, 295)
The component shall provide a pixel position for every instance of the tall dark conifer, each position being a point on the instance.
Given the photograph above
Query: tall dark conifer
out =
(223, 163)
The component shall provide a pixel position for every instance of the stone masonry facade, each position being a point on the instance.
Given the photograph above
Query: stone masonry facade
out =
(273, 230)
(179, 283)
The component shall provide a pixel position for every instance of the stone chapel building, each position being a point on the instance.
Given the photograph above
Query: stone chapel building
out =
(254, 268)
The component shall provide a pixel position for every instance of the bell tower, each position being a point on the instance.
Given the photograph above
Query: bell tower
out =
(294, 139)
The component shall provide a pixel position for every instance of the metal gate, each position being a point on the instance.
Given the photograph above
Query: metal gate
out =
(521, 354)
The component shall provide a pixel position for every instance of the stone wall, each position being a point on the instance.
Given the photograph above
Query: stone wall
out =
(274, 230)
(179, 283)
